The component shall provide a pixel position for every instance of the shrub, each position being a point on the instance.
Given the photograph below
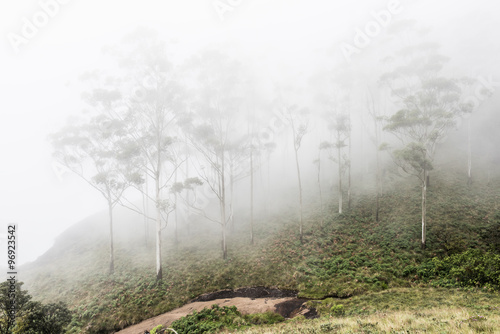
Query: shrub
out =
(217, 318)
(473, 268)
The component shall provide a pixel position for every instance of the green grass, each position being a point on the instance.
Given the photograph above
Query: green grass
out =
(349, 257)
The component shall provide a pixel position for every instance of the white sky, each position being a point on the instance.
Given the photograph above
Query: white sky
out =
(38, 92)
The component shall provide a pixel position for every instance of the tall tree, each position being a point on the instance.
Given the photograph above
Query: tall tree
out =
(154, 101)
(428, 106)
(217, 79)
(339, 128)
(97, 152)
(297, 120)
(21, 303)
(333, 98)
(377, 117)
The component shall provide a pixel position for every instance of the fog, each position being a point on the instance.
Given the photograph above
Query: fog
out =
(285, 46)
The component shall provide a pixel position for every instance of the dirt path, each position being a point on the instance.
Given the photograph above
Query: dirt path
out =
(244, 305)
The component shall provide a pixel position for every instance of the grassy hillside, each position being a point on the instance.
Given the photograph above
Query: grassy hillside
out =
(349, 255)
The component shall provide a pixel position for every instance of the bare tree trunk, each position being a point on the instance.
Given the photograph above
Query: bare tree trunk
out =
(268, 192)
(188, 208)
(378, 185)
(349, 169)
(111, 245)
(145, 210)
(424, 208)
(300, 191)
(340, 179)
(223, 207)
(159, 274)
(231, 187)
(319, 186)
(251, 195)
(469, 155)
(175, 214)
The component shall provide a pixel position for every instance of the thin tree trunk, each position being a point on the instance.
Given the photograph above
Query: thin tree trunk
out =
(111, 245)
(159, 274)
(223, 207)
(145, 210)
(319, 186)
(378, 185)
(175, 213)
(188, 208)
(268, 192)
(340, 179)
(251, 195)
(469, 155)
(231, 186)
(424, 208)
(300, 190)
(349, 168)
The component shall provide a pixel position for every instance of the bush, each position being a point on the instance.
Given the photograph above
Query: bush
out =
(217, 318)
(471, 268)
(156, 329)
(264, 318)
(43, 319)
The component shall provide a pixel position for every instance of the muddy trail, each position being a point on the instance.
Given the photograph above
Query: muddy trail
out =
(247, 300)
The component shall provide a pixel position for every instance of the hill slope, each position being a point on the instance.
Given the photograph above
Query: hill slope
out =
(341, 256)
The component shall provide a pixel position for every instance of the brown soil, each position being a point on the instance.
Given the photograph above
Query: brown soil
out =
(285, 306)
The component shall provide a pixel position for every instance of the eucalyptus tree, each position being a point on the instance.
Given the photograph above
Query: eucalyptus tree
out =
(333, 101)
(154, 100)
(297, 119)
(217, 81)
(238, 169)
(97, 151)
(339, 128)
(429, 104)
(376, 114)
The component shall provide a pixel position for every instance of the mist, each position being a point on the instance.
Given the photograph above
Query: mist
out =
(286, 55)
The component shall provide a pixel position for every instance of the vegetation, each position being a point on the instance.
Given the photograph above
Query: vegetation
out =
(363, 266)
(29, 317)
(210, 320)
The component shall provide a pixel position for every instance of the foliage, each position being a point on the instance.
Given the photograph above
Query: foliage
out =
(157, 328)
(348, 255)
(472, 268)
(216, 318)
(21, 303)
(44, 319)
(30, 317)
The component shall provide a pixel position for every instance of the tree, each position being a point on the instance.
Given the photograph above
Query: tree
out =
(214, 126)
(340, 128)
(96, 151)
(44, 319)
(237, 160)
(375, 113)
(475, 94)
(14, 304)
(318, 180)
(298, 124)
(150, 114)
(429, 104)
(333, 100)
